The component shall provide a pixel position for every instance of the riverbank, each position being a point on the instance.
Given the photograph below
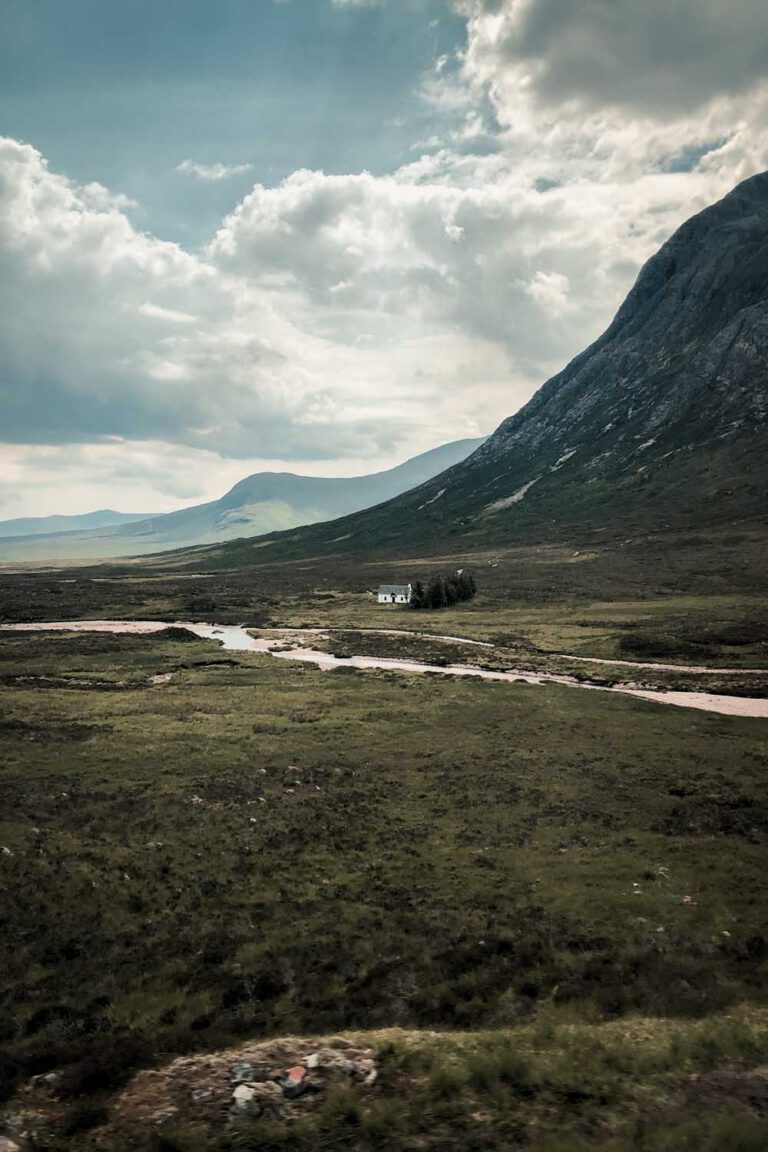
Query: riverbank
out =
(281, 643)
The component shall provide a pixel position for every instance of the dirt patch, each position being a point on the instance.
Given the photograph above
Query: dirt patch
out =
(60, 733)
(719, 1089)
(35, 680)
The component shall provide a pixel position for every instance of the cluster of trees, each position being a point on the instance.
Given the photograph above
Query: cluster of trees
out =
(442, 591)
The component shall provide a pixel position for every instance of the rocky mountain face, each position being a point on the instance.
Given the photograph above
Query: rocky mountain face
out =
(660, 425)
(684, 361)
(264, 502)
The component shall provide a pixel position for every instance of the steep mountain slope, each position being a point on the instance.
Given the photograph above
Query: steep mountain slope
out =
(44, 525)
(659, 425)
(260, 503)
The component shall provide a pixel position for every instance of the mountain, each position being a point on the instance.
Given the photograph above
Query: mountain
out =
(44, 525)
(659, 426)
(260, 503)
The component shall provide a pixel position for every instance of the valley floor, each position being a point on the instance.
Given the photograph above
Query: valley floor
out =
(490, 662)
(556, 898)
(200, 847)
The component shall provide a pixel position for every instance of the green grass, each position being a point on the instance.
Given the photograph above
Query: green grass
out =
(266, 848)
(258, 848)
(633, 1086)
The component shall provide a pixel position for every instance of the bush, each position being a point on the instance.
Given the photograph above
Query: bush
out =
(501, 1066)
(107, 1064)
(447, 1080)
(341, 1106)
(10, 1071)
(83, 1117)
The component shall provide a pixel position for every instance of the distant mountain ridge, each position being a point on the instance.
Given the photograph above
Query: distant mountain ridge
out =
(258, 504)
(660, 425)
(42, 525)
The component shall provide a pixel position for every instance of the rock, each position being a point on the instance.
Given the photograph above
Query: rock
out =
(7, 1145)
(330, 1060)
(268, 1095)
(282, 1078)
(293, 1082)
(244, 1096)
(44, 1078)
(241, 1072)
(256, 1098)
(368, 1070)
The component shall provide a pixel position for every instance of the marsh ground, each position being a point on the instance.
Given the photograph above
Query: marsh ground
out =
(262, 848)
(255, 848)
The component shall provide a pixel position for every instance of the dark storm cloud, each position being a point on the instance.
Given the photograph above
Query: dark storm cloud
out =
(656, 56)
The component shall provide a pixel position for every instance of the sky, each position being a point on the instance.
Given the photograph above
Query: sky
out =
(325, 235)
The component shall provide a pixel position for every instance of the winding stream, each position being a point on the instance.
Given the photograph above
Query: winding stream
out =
(235, 638)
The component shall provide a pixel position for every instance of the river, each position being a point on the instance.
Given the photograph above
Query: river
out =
(235, 638)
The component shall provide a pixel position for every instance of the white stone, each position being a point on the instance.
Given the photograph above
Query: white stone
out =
(243, 1095)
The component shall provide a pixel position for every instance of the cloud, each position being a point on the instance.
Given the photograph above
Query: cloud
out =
(609, 90)
(157, 313)
(212, 172)
(356, 3)
(653, 57)
(550, 290)
(415, 253)
(109, 332)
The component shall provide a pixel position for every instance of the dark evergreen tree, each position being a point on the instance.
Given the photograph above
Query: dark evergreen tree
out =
(466, 586)
(418, 595)
(442, 592)
(436, 593)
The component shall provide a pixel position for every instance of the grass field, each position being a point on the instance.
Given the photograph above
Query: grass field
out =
(259, 848)
(635, 1085)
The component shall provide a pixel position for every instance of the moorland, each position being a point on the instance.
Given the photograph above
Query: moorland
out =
(542, 907)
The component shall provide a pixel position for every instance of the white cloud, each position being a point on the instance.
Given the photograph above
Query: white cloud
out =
(212, 172)
(550, 291)
(155, 312)
(97, 336)
(108, 332)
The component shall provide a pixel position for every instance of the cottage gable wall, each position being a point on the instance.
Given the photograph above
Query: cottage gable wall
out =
(394, 594)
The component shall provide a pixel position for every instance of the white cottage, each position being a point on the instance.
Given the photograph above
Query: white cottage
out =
(395, 594)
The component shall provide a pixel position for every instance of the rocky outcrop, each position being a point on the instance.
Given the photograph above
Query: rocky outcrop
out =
(279, 1078)
(686, 357)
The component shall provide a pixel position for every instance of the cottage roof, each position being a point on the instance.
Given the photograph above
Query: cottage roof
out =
(394, 589)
